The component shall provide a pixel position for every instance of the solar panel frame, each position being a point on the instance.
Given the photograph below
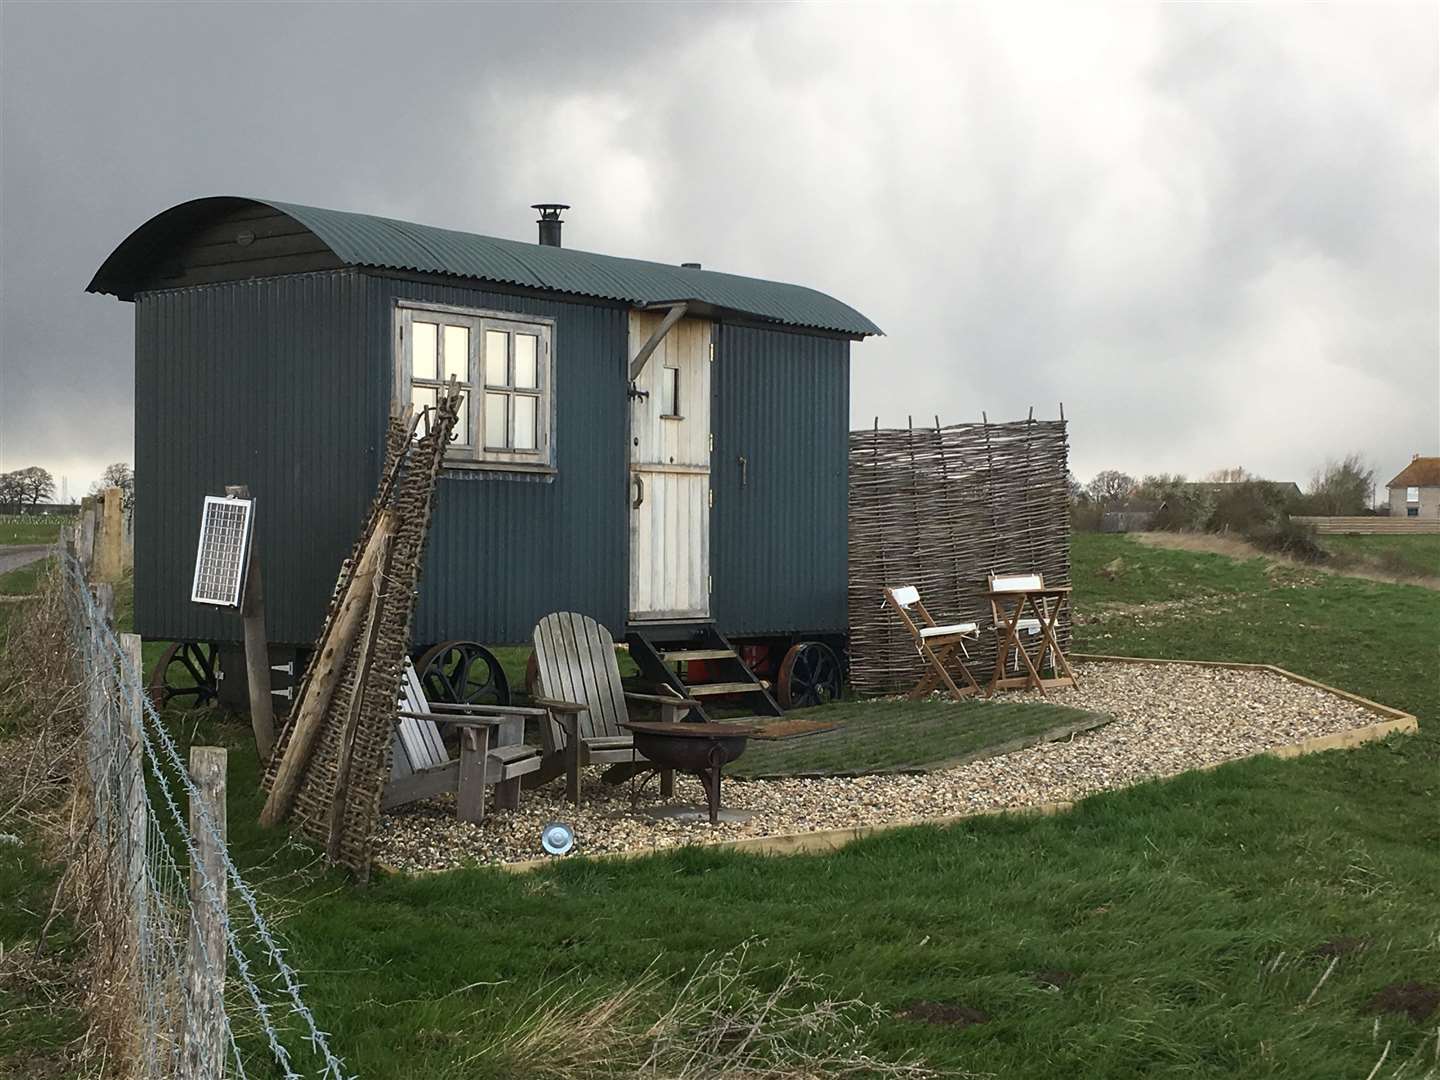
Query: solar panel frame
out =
(222, 553)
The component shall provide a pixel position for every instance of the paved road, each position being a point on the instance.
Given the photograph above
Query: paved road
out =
(14, 556)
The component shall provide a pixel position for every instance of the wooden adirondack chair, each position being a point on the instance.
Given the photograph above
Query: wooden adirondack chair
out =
(585, 705)
(492, 752)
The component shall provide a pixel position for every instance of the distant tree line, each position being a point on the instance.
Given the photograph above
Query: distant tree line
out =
(1230, 500)
(25, 489)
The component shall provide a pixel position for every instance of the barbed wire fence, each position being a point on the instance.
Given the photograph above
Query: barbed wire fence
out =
(196, 977)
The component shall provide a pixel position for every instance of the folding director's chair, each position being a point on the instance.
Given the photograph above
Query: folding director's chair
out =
(938, 644)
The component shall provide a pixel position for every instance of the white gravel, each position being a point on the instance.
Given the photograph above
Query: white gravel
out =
(1167, 719)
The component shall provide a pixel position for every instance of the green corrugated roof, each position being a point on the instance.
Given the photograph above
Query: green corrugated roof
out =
(365, 240)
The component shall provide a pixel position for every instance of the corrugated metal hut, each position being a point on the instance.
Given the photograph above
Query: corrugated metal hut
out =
(695, 499)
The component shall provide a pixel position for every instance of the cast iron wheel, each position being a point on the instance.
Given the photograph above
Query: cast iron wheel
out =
(462, 673)
(809, 675)
(187, 673)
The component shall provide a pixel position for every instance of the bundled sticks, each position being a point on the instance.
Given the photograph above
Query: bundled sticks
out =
(333, 760)
(941, 508)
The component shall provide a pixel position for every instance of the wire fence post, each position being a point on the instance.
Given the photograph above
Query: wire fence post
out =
(133, 790)
(205, 1049)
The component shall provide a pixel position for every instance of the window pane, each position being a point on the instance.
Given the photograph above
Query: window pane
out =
(670, 391)
(524, 422)
(495, 409)
(462, 423)
(422, 397)
(422, 350)
(526, 347)
(496, 349)
(457, 353)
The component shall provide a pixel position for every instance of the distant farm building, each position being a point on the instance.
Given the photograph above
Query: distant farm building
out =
(1415, 491)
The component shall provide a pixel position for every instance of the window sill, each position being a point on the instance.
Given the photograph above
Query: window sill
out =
(535, 469)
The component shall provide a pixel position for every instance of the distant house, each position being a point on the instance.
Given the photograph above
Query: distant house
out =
(1415, 491)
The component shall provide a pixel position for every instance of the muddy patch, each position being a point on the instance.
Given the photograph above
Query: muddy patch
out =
(1419, 1001)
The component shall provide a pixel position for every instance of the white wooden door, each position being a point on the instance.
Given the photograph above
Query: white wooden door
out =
(670, 472)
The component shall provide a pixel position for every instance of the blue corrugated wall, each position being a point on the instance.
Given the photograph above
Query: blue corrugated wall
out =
(778, 541)
(284, 384)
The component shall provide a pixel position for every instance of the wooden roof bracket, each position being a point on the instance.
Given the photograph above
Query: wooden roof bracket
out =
(674, 315)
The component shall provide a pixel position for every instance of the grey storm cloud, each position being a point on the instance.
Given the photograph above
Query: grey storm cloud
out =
(1210, 230)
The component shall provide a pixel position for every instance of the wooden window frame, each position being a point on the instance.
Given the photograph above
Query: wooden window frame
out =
(477, 455)
(675, 413)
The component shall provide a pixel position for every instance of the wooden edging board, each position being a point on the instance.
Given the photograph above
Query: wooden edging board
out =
(1393, 721)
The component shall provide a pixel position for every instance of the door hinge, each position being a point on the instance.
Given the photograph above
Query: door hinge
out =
(712, 442)
(712, 352)
(712, 498)
(709, 584)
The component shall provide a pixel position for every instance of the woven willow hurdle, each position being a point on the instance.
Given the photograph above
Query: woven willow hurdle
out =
(940, 508)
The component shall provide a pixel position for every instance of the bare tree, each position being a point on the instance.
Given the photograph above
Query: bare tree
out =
(12, 493)
(1340, 488)
(1237, 474)
(36, 486)
(119, 475)
(1109, 486)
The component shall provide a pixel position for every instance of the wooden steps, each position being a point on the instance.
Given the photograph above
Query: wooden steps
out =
(695, 661)
(711, 689)
(673, 655)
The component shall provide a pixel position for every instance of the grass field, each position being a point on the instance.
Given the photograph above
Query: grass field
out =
(1416, 556)
(1237, 923)
(31, 528)
(889, 736)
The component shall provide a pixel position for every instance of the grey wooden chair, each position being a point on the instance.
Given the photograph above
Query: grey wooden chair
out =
(585, 704)
(492, 752)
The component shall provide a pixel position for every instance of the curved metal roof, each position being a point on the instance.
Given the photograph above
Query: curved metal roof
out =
(365, 240)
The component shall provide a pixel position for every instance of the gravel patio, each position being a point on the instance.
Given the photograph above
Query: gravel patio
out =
(1167, 719)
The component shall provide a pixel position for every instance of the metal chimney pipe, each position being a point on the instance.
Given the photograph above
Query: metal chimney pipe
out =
(549, 222)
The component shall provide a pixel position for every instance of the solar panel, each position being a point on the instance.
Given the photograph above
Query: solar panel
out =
(223, 552)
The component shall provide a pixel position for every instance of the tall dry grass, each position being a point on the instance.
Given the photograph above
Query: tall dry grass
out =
(730, 1020)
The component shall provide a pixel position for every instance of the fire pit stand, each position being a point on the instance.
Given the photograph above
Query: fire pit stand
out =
(701, 749)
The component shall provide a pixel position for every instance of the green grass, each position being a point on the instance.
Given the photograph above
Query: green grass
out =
(21, 582)
(1192, 914)
(891, 736)
(1416, 556)
(32, 529)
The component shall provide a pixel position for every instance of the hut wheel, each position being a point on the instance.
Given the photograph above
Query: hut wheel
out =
(462, 673)
(186, 673)
(809, 675)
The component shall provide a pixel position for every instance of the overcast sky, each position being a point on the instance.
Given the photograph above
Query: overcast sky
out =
(1210, 230)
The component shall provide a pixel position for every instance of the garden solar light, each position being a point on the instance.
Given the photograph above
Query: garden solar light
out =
(557, 838)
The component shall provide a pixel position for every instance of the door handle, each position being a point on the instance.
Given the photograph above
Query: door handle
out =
(639, 492)
(744, 464)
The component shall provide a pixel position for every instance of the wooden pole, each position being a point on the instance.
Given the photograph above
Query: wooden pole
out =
(320, 687)
(203, 1054)
(352, 719)
(257, 648)
(136, 806)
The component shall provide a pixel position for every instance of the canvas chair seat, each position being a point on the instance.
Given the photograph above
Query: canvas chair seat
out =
(936, 643)
(963, 628)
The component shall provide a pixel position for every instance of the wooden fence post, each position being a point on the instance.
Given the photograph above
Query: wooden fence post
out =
(203, 1056)
(257, 648)
(136, 806)
(85, 538)
(109, 536)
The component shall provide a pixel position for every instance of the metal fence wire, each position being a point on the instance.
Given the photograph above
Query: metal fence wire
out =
(206, 975)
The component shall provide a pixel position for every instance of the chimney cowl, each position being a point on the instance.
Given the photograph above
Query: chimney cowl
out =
(549, 221)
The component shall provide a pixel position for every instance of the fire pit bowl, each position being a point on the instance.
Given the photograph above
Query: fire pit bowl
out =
(702, 749)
